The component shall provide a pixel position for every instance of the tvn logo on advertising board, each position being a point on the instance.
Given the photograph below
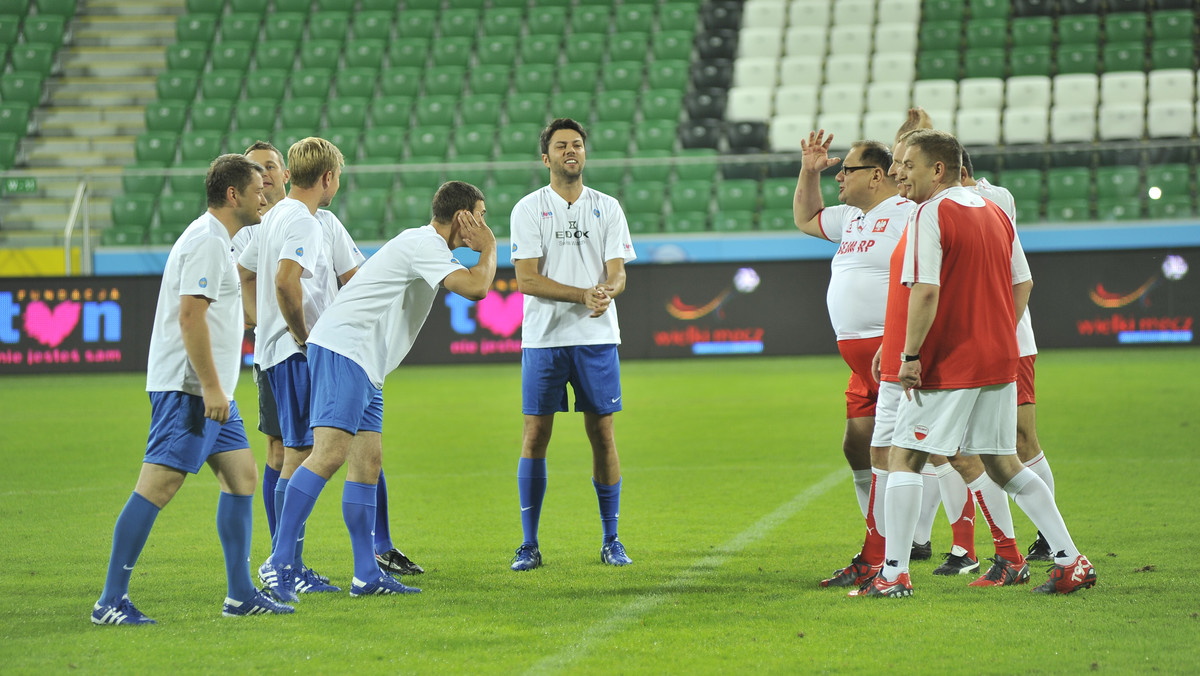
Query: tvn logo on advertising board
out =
(59, 326)
(499, 314)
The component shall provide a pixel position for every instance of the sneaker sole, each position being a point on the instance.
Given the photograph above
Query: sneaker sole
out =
(960, 571)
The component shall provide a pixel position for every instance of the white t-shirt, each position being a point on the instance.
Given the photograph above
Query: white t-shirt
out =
(200, 264)
(573, 243)
(1004, 199)
(858, 284)
(324, 251)
(375, 318)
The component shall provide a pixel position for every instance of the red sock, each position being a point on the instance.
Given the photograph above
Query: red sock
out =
(873, 545)
(1005, 546)
(964, 528)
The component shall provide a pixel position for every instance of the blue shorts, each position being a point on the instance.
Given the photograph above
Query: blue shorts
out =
(182, 438)
(594, 372)
(268, 414)
(342, 395)
(290, 385)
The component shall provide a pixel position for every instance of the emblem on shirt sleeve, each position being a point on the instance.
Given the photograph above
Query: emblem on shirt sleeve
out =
(514, 246)
(454, 260)
(880, 225)
(299, 251)
(203, 283)
(596, 213)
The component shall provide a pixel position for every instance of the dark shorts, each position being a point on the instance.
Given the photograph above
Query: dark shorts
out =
(290, 384)
(182, 438)
(268, 415)
(594, 372)
(342, 395)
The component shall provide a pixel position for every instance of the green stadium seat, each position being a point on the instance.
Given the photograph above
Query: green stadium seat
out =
(287, 26)
(616, 106)
(365, 54)
(938, 65)
(170, 116)
(502, 21)
(1173, 207)
(211, 115)
(611, 136)
(1172, 54)
(520, 139)
(240, 139)
(662, 104)
(690, 196)
(200, 146)
(355, 82)
(427, 141)
(383, 143)
(686, 222)
(677, 16)
(527, 109)
(512, 4)
(481, 108)
(415, 23)
(1174, 180)
(489, 79)
(134, 211)
(286, 137)
(533, 78)
(123, 236)
(254, 113)
(660, 170)
(938, 35)
(776, 220)
(1118, 209)
(945, 10)
(1064, 183)
(697, 164)
(348, 111)
(656, 135)
(409, 52)
(475, 172)
(452, 51)
(987, 33)
(267, 84)
(1125, 28)
(175, 212)
(195, 28)
(578, 78)
(610, 174)
(372, 178)
(364, 232)
(410, 205)
(587, 18)
(475, 140)
(1079, 59)
(548, 21)
(989, 9)
(63, 8)
(187, 56)
(733, 221)
(303, 6)
(391, 111)
(626, 75)
(43, 29)
(1029, 60)
(402, 81)
(320, 53)
(155, 148)
(668, 75)
(272, 54)
(672, 45)
(445, 81)
(644, 197)
(190, 183)
(459, 23)
(372, 26)
(1173, 25)
(10, 28)
(1078, 30)
(311, 83)
(984, 63)
(231, 56)
(502, 198)
(1118, 183)
(1026, 188)
(643, 223)
(737, 195)
(240, 28)
(176, 85)
(221, 85)
(423, 174)
(244, 6)
(14, 118)
(329, 25)
(585, 48)
(497, 49)
(1124, 56)
(778, 193)
(1033, 31)
(629, 46)
(437, 111)
(540, 49)
(524, 169)
(1068, 210)
(367, 210)
(301, 113)
(577, 106)
(345, 138)
(829, 190)
(633, 17)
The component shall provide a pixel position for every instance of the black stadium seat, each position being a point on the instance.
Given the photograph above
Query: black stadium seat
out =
(708, 103)
(714, 73)
(717, 44)
(700, 134)
(722, 14)
(747, 136)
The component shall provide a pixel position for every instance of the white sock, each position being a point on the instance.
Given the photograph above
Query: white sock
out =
(993, 499)
(1041, 466)
(1033, 497)
(931, 497)
(954, 492)
(862, 489)
(881, 481)
(903, 505)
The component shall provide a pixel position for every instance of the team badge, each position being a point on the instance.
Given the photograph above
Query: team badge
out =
(880, 225)
(203, 282)
(299, 251)
(920, 432)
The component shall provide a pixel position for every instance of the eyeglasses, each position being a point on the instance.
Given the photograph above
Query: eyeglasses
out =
(851, 170)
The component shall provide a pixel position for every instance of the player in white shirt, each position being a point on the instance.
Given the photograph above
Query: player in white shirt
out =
(362, 336)
(1029, 448)
(195, 354)
(866, 227)
(569, 247)
(300, 262)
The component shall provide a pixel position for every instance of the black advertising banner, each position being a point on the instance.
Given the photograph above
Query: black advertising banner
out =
(76, 324)
(1111, 298)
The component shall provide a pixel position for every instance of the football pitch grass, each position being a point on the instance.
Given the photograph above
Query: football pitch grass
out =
(737, 502)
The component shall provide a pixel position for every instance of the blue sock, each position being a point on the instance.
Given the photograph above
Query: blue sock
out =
(610, 507)
(270, 478)
(358, 510)
(531, 486)
(302, 492)
(129, 536)
(281, 485)
(383, 535)
(235, 521)
(298, 559)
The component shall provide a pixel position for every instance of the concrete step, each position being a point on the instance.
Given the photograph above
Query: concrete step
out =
(103, 91)
(112, 62)
(135, 8)
(68, 152)
(123, 31)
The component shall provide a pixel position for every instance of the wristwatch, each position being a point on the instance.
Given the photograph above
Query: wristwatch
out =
(910, 357)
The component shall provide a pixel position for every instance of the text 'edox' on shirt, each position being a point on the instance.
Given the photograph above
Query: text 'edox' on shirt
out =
(374, 320)
(573, 242)
(200, 264)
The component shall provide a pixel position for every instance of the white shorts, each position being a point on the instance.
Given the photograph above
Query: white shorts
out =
(977, 421)
(886, 407)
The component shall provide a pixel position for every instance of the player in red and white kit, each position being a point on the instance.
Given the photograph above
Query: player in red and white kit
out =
(866, 228)
(965, 282)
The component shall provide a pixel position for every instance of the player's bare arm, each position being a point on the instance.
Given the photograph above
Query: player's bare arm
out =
(1021, 296)
(533, 283)
(807, 202)
(249, 295)
(290, 297)
(922, 308)
(346, 276)
(473, 284)
(193, 323)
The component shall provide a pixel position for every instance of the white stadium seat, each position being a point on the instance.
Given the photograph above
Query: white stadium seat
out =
(749, 104)
(847, 68)
(801, 70)
(901, 37)
(756, 71)
(1120, 121)
(787, 131)
(854, 12)
(797, 100)
(1028, 90)
(1076, 89)
(1072, 123)
(981, 93)
(898, 11)
(842, 97)
(849, 40)
(893, 67)
(847, 128)
(1123, 87)
(1026, 125)
(978, 127)
(882, 125)
(1173, 84)
(893, 97)
(763, 13)
(813, 13)
(760, 42)
(935, 94)
(805, 41)
(1169, 119)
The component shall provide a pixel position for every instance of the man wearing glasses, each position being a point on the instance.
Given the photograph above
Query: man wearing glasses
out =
(866, 228)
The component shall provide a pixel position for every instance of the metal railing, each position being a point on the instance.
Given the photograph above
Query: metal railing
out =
(79, 206)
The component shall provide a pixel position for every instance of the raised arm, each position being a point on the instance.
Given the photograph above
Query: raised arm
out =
(474, 284)
(807, 202)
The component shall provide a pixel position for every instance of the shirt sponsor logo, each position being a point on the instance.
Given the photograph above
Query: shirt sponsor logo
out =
(547, 214)
(299, 251)
(203, 282)
(880, 225)
(572, 235)
(596, 213)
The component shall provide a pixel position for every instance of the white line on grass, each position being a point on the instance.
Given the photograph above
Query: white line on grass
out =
(703, 567)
